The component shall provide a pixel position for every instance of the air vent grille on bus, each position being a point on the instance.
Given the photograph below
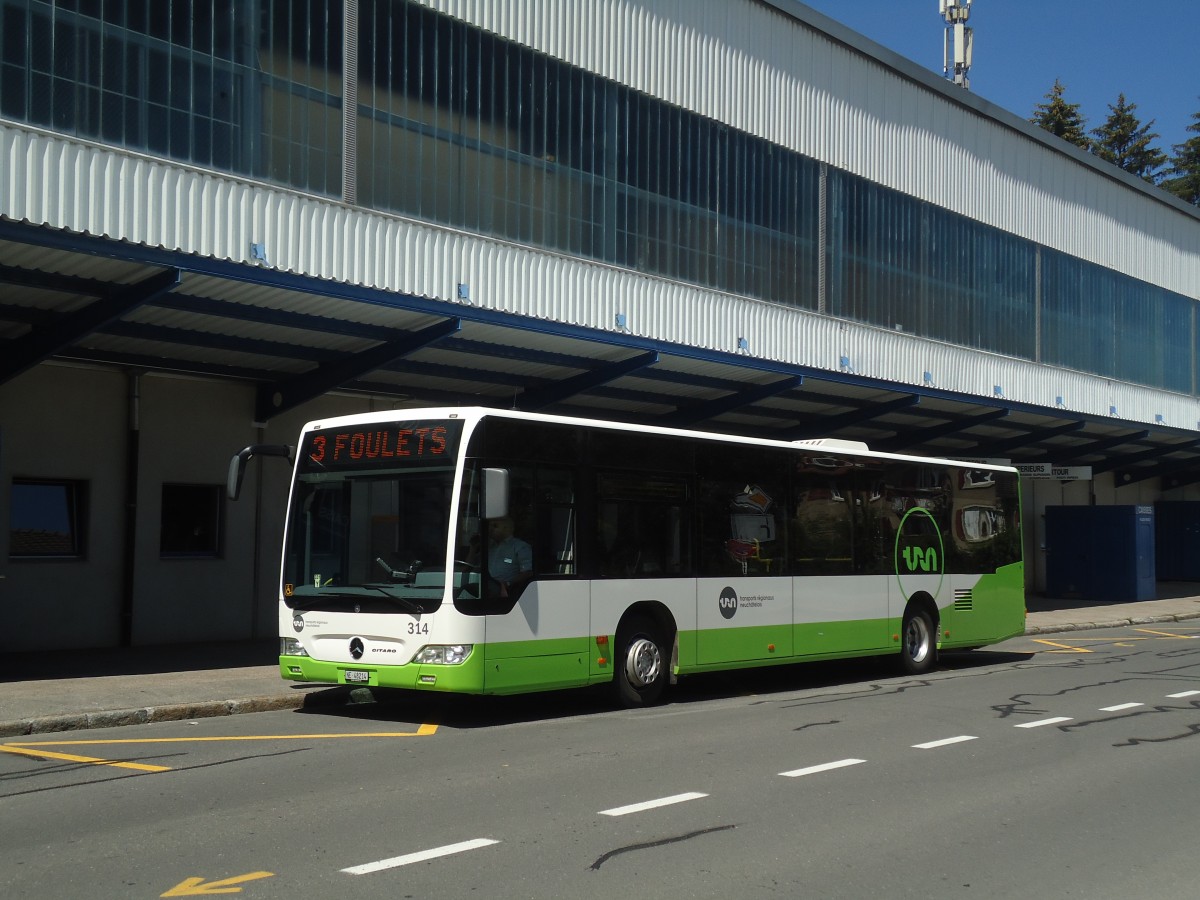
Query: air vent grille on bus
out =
(964, 599)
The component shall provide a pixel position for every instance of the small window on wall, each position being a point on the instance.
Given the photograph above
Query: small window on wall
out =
(191, 520)
(46, 519)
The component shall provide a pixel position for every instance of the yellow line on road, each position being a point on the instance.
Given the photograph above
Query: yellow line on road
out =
(1170, 634)
(1063, 648)
(423, 731)
(10, 748)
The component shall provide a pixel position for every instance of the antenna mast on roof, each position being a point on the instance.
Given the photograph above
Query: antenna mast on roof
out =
(956, 12)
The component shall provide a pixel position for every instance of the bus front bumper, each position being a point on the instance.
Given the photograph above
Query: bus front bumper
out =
(466, 677)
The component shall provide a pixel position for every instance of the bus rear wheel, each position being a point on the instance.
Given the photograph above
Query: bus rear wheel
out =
(918, 651)
(641, 662)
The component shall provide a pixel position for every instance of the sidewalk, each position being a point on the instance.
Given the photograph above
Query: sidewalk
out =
(49, 692)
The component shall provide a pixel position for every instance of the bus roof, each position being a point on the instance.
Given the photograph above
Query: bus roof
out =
(472, 414)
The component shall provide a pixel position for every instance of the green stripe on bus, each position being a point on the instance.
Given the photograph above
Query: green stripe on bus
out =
(996, 612)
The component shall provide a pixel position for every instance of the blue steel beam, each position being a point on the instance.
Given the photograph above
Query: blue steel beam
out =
(72, 242)
(26, 352)
(53, 281)
(915, 438)
(829, 426)
(284, 395)
(540, 398)
(1123, 476)
(739, 399)
(211, 340)
(1075, 455)
(1032, 436)
(264, 315)
(1121, 465)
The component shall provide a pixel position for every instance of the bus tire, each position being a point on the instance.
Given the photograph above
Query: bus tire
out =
(918, 641)
(642, 663)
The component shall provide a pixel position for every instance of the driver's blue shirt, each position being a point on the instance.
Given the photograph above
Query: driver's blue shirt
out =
(509, 558)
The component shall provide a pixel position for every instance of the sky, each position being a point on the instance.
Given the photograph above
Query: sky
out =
(1146, 49)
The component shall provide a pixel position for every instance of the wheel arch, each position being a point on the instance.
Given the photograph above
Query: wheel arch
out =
(655, 611)
(924, 600)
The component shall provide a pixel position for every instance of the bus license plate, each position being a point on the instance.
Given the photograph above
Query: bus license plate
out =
(355, 675)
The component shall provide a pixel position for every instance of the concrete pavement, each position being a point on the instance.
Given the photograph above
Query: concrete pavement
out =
(51, 691)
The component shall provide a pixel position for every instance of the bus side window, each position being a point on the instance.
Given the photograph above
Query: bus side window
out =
(741, 532)
(821, 537)
(542, 507)
(554, 511)
(641, 525)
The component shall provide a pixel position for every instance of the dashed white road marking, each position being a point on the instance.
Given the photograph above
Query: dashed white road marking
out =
(929, 745)
(650, 804)
(397, 861)
(1054, 720)
(823, 767)
(478, 843)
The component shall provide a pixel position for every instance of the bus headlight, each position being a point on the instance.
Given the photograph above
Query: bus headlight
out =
(444, 654)
(291, 647)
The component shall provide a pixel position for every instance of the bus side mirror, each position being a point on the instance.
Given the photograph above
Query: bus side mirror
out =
(495, 493)
(237, 465)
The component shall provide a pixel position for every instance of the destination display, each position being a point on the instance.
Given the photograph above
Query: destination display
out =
(373, 446)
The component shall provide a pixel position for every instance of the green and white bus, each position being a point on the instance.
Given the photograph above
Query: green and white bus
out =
(647, 553)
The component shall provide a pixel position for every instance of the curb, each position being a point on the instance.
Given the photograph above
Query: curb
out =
(342, 695)
(1110, 623)
(172, 712)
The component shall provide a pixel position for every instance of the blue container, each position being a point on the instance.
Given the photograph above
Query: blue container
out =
(1101, 553)
(1177, 540)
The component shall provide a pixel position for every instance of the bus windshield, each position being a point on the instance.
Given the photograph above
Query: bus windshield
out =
(369, 528)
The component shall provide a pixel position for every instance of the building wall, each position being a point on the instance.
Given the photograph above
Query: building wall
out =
(875, 128)
(188, 430)
(677, 165)
(59, 422)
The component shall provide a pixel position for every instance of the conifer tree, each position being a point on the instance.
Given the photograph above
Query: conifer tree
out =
(1061, 118)
(1185, 167)
(1128, 144)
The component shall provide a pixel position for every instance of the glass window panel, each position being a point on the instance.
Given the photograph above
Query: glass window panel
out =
(191, 520)
(46, 519)
(469, 129)
(113, 59)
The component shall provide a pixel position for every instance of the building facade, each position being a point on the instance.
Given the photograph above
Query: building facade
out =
(219, 220)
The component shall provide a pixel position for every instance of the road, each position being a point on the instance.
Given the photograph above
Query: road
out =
(1057, 766)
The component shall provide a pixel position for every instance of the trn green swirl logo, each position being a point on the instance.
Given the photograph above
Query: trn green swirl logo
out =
(919, 552)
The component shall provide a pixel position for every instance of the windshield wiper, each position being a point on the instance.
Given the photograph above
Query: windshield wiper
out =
(403, 602)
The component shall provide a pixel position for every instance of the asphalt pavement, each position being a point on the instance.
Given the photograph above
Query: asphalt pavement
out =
(53, 691)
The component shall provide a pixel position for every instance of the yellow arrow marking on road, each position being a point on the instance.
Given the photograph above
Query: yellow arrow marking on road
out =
(22, 749)
(1182, 637)
(1063, 648)
(423, 731)
(190, 887)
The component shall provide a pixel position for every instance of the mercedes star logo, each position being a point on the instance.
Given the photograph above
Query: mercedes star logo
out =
(356, 648)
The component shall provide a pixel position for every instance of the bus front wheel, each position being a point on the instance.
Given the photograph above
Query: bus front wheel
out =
(641, 663)
(918, 652)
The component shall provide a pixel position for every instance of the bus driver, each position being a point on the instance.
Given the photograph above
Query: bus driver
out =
(510, 559)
